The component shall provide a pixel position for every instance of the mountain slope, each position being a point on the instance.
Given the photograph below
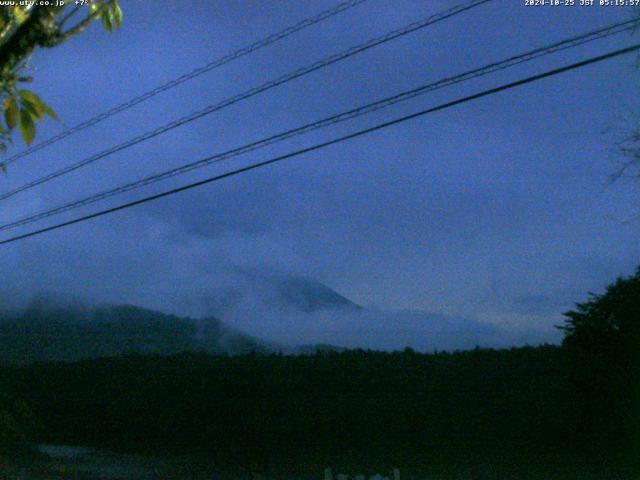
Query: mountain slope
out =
(258, 293)
(69, 333)
(310, 296)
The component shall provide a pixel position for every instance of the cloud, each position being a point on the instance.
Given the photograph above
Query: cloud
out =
(375, 329)
(307, 312)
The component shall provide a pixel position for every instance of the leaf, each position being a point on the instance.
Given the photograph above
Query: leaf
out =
(29, 96)
(49, 111)
(35, 111)
(27, 127)
(34, 103)
(11, 112)
(107, 19)
(20, 15)
(117, 14)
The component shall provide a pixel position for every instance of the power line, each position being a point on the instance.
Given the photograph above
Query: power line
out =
(334, 119)
(252, 92)
(334, 141)
(269, 40)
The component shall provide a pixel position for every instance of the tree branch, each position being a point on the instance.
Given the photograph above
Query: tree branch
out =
(12, 23)
(33, 32)
(66, 18)
(60, 37)
(8, 28)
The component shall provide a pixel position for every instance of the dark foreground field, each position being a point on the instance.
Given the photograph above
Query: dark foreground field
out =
(477, 414)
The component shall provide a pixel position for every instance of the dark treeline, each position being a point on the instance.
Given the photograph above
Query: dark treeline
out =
(351, 408)
(385, 404)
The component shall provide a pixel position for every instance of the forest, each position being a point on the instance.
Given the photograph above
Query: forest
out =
(510, 407)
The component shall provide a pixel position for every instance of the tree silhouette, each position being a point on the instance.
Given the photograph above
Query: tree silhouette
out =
(602, 342)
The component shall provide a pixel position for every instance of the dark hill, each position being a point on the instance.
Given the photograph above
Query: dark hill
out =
(45, 333)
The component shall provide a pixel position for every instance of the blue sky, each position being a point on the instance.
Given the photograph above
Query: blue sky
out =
(499, 210)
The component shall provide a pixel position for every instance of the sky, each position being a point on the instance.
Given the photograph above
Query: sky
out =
(500, 211)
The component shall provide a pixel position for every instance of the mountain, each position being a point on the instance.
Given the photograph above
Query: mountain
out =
(309, 295)
(253, 294)
(47, 332)
(256, 313)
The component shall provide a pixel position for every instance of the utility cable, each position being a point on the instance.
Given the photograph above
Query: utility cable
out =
(250, 93)
(332, 120)
(334, 141)
(269, 40)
